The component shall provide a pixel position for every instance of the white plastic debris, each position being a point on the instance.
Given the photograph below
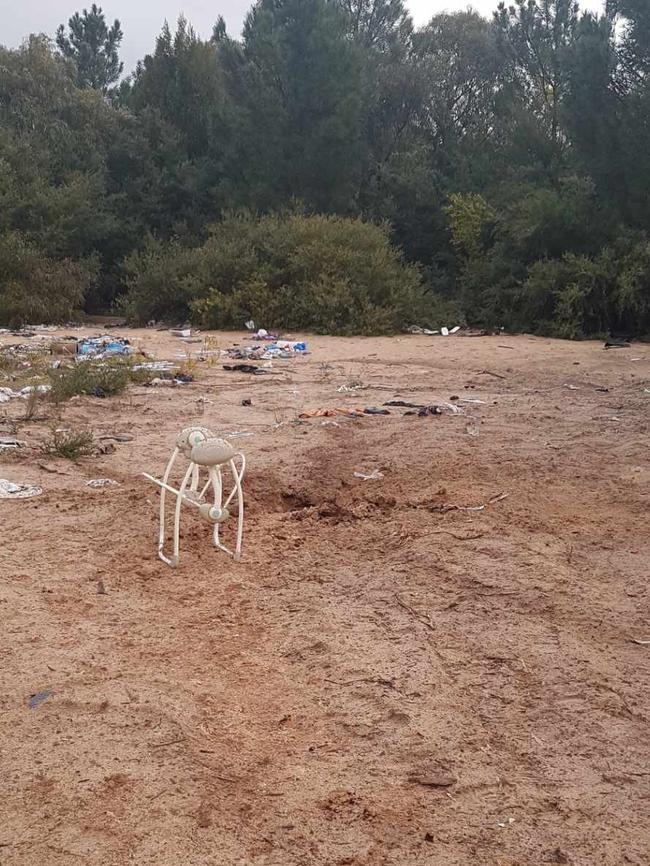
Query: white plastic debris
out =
(7, 394)
(9, 490)
(101, 482)
(8, 443)
(444, 331)
(375, 475)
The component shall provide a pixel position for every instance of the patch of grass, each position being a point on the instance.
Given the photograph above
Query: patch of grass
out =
(97, 379)
(70, 444)
(32, 403)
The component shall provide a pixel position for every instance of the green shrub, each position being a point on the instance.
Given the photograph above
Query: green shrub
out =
(96, 378)
(37, 289)
(162, 280)
(289, 271)
(632, 299)
(70, 444)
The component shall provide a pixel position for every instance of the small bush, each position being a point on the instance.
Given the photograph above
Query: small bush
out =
(70, 444)
(97, 379)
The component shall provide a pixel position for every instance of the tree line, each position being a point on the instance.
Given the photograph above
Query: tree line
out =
(335, 168)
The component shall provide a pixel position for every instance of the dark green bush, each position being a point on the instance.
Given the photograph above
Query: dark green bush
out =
(36, 289)
(293, 272)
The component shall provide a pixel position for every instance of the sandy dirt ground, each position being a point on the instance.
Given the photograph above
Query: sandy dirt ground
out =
(385, 679)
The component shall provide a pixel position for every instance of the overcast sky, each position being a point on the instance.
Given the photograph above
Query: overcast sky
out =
(142, 19)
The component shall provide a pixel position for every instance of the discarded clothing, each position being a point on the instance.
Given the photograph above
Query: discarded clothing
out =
(244, 368)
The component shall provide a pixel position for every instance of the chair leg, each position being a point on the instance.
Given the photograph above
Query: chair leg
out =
(161, 530)
(177, 515)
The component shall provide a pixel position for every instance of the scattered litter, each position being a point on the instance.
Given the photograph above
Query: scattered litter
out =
(616, 344)
(416, 329)
(329, 424)
(249, 325)
(9, 490)
(505, 347)
(373, 410)
(169, 382)
(180, 332)
(156, 366)
(614, 418)
(352, 388)
(101, 482)
(34, 700)
(425, 410)
(506, 823)
(244, 368)
(445, 331)
(239, 433)
(640, 642)
(646, 390)
(571, 387)
(104, 346)
(118, 437)
(375, 475)
(276, 349)
(7, 394)
(605, 390)
(9, 444)
(471, 400)
(331, 413)
(472, 430)
(247, 402)
(263, 334)
(290, 345)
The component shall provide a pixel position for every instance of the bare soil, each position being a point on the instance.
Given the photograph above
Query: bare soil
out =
(385, 679)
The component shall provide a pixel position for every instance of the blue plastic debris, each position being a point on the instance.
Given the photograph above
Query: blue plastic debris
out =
(102, 347)
(38, 698)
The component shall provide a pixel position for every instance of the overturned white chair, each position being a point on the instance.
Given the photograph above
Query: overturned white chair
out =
(204, 451)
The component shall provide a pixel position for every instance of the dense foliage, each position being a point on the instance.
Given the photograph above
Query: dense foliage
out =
(336, 169)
